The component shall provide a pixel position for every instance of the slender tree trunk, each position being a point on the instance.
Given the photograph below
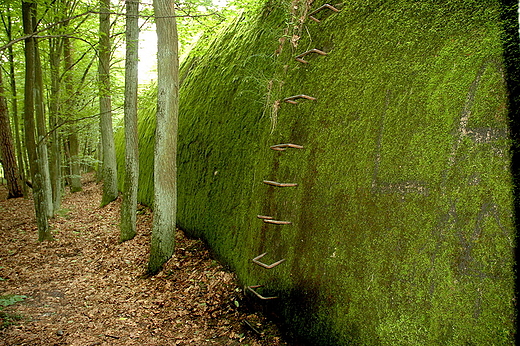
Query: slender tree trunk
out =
(75, 172)
(89, 151)
(110, 191)
(41, 128)
(129, 207)
(6, 148)
(55, 163)
(165, 167)
(20, 154)
(28, 13)
(99, 157)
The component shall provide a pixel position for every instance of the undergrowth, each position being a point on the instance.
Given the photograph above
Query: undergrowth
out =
(7, 318)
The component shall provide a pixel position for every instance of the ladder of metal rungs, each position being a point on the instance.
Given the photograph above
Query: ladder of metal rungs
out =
(324, 7)
(282, 147)
(316, 51)
(292, 99)
(256, 260)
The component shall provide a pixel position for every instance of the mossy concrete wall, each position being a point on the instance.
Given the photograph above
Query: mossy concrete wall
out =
(402, 227)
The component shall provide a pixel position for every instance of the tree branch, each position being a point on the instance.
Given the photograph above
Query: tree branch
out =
(69, 122)
(35, 34)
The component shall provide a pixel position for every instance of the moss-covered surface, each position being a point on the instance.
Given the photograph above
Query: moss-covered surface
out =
(402, 221)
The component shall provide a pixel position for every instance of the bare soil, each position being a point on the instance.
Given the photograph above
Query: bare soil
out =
(85, 288)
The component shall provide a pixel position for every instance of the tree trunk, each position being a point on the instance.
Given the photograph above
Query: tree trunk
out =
(110, 191)
(28, 13)
(165, 167)
(75, 172)
(20, 154)
(99, 158)
(55, 163)
(129, 207)
(41, 128)
(6, 148)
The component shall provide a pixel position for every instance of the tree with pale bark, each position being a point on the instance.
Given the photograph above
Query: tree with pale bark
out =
(35, 160)
(165, 153)
(129, 206)
(110, 191)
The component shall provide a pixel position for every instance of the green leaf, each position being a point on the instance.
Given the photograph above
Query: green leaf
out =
(11, 299)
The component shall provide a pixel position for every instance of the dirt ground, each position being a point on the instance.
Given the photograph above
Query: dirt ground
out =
(86, 289)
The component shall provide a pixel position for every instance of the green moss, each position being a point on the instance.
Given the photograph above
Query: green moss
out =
(402, 229)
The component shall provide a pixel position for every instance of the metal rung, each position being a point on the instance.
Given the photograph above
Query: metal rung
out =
(317, 51)
(277, 222)
(281, 147)
(251, 288)
(265, 217)
(275, 183)
(266, 266)
(296, 97)
(326, 6)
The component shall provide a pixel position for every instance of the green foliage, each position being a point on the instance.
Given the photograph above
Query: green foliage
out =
(202, 18)
(401, 226)
(11, 299)
(8, 319)
(63, 212)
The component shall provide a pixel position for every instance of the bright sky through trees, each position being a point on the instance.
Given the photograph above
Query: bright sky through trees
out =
(148, 49)
(147, 56)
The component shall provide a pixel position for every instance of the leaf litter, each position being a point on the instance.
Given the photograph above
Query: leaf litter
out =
(86, 289)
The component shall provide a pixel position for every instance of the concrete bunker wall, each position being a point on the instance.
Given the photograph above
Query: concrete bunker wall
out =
(401, 223)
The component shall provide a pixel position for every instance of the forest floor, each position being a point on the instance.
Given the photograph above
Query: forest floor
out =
(85, 288)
